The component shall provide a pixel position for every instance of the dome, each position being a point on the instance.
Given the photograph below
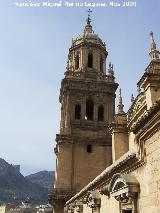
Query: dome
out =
(88, 35)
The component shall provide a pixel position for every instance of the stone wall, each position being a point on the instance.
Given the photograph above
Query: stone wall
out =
(109, 205)
(149, 177)
(72, 172)
(63, 166)
(84, 172)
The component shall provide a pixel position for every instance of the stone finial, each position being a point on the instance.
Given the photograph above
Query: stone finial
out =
(138, 89)
(120, 104)
(111, 72)
(88, 27)
(153, 44)
(89, 19)
(154, 53)
(132, 98)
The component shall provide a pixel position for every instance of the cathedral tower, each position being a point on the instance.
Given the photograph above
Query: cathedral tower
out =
(87, 97)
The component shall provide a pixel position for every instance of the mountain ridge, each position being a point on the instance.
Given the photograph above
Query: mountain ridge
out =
(43, 178)
(15, 187)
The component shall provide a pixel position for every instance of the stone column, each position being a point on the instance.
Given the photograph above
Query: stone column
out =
(83, 110)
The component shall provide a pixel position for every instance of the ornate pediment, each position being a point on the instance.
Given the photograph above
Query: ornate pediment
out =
(124, 187)
(121, 183)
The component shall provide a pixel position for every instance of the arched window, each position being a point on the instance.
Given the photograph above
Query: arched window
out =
(101, 113)
(90, 59)
(89, 110)
(77, 112)
(101, 64)
(77, 61)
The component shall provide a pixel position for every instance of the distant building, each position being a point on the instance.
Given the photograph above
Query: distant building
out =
(9, 208)
(25, 207)
(26, 204)
(45, 209)
(2, 208)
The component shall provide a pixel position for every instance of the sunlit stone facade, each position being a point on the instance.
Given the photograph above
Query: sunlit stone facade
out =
(106, 161)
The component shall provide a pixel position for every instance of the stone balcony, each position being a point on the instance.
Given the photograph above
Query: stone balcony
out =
(60, 195)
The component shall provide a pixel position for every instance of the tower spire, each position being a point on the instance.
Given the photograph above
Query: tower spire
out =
(89, 19)
(120, 104)
(88, 27)
(154, 53)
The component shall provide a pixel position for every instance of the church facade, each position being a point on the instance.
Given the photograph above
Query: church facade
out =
(107, 161)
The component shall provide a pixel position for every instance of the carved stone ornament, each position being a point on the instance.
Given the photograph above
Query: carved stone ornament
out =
(76, 206)
(93, 199)
(71, 208)
(66, 209)
(104, 191)
(79, 206)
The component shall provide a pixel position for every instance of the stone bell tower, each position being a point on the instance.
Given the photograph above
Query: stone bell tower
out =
(87, 97)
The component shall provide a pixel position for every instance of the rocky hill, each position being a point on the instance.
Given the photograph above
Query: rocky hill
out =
(43, 178)
(14, 186)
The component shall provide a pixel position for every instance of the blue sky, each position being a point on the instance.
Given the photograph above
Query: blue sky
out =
(34, 44)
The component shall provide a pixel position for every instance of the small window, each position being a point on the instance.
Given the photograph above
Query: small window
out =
(100, 113)
(89, 148)
(90, 60)
(89, 110)
(77, 112)
(77, 62)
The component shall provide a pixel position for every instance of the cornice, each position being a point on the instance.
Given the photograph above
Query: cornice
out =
(146, 117)
(149, 72)
(104, 140)
(102, 86)
(87, 44)
(88, 81)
